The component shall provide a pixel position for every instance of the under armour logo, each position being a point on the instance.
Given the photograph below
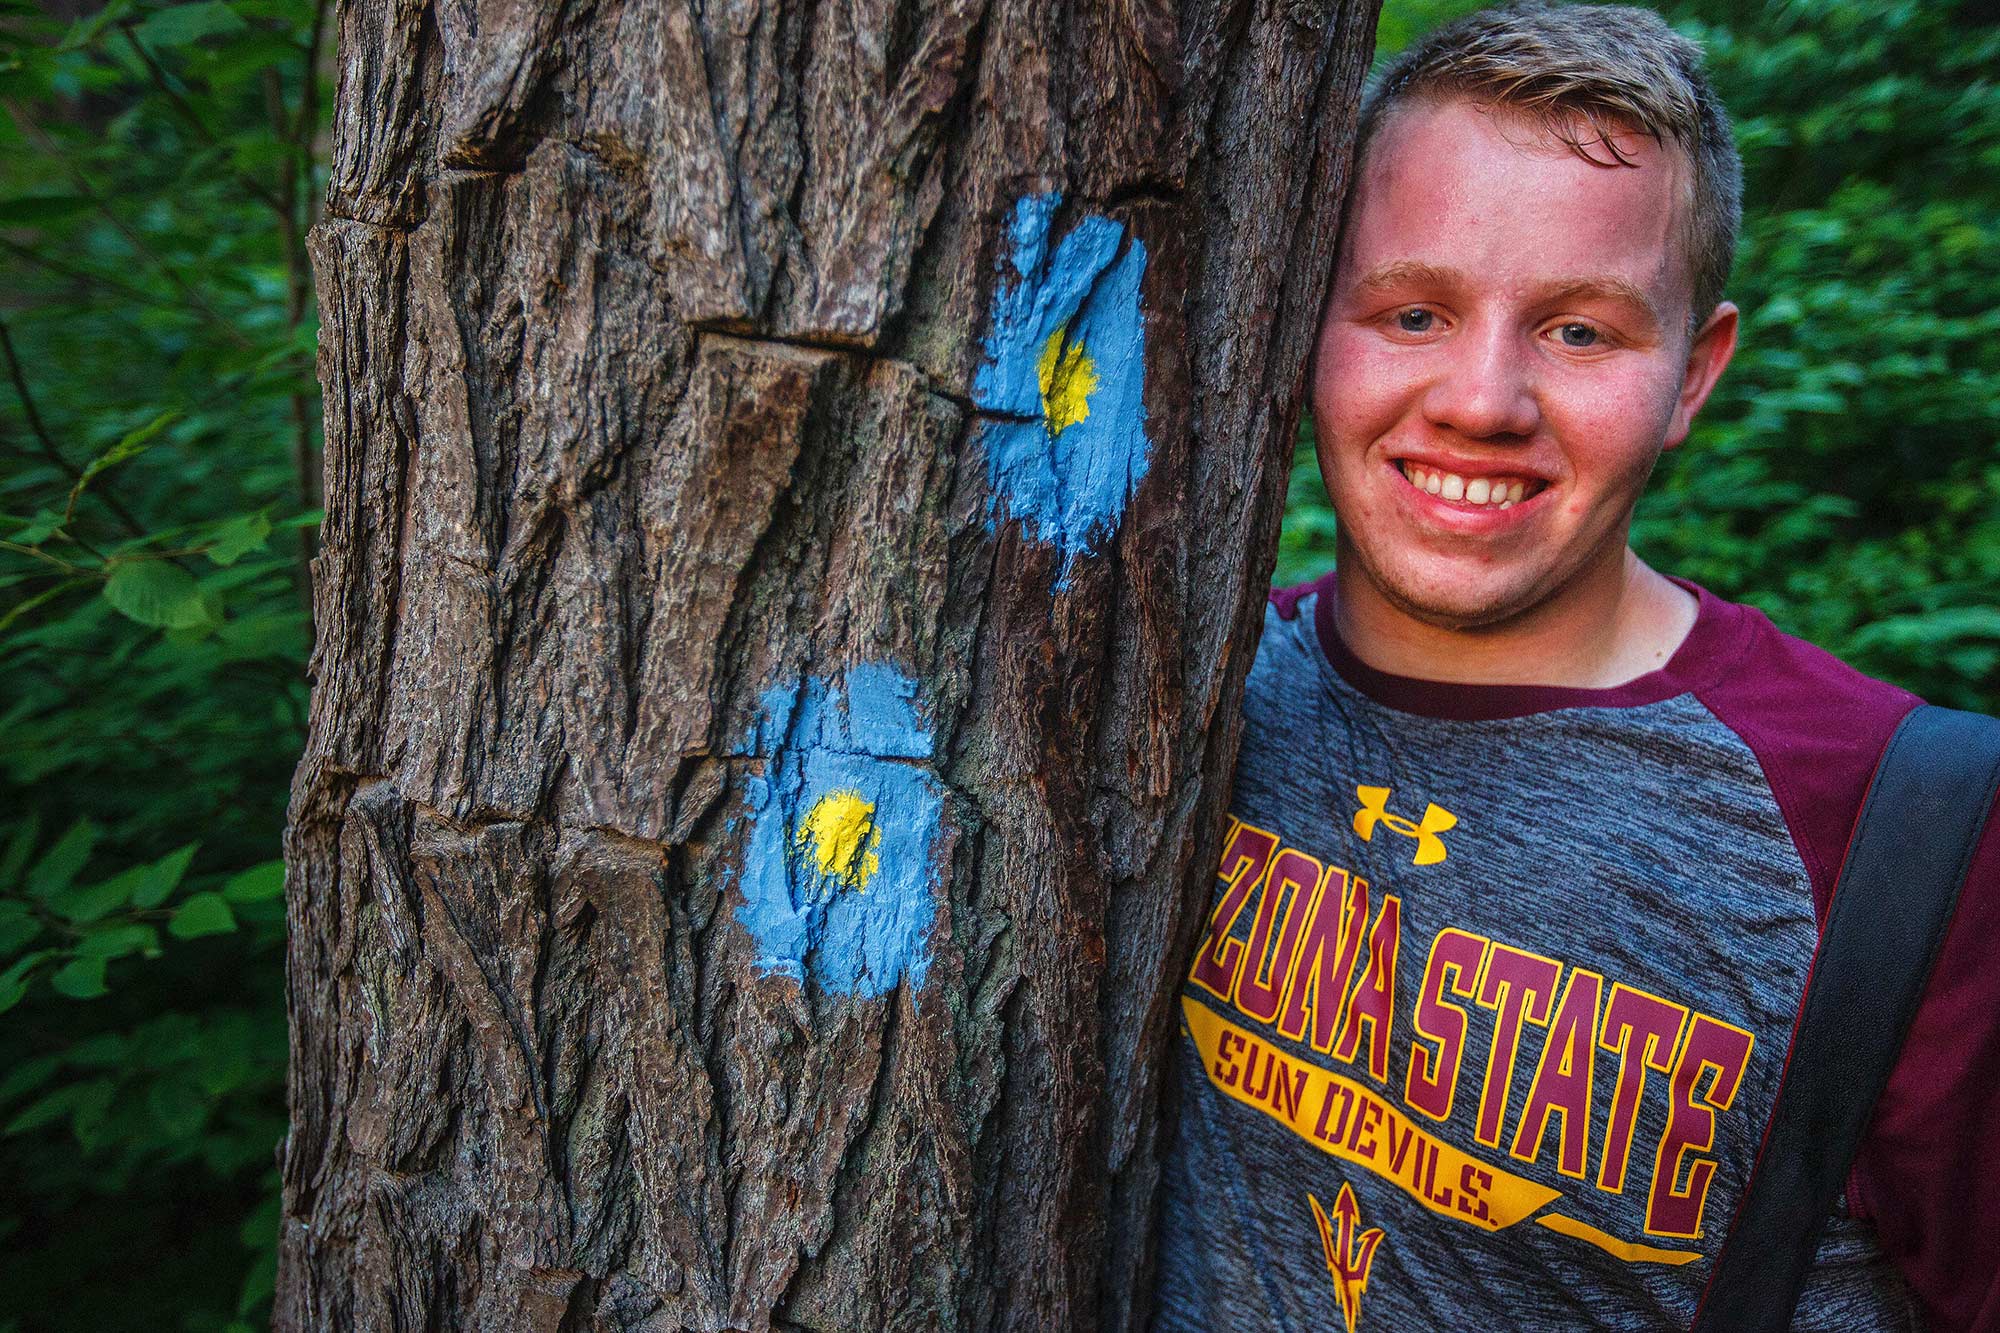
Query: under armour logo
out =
(1374, 810)
(1349, 1250)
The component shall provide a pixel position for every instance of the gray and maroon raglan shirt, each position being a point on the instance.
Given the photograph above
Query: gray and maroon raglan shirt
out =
(1497, 989)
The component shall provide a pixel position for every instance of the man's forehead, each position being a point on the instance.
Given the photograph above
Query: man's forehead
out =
(1602, 141)
(1417, 138)
(1452, 185)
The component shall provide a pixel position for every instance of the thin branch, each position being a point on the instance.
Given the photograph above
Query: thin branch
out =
(28, 408)
(306, 133)
(298, 180)
(288, 186)
(49, 594)
(41, 433)
(37, 553)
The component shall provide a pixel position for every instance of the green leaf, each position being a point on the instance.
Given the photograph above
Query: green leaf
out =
(60, 863)
(49, 1109)
(44, 525)
(106, 1050)
(181, 25)
(82, 1102)
(129, 445)
(187, 636)
(163, 876)
(237, 538)
(260, 1230)
(178, 1107)
(80, 979)
(93, 1111)
(85, 903)
(28, 1075)
(116, 941)
(170, 1039)
(256, 884)
(18, 926)
(19, 971)
(145, 886)
(157, 593)
(202, 914)
(262, 1279)
(1931, 627)
(20, 847)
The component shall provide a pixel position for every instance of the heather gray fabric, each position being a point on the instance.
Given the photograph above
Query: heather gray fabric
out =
(1635, 851)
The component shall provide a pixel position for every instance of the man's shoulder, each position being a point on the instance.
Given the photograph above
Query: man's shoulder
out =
(1817, 726)
(1284, 602)
(1289, 643)
(1779, 681)
(1291, 635)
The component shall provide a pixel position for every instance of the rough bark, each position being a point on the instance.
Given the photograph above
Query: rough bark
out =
(683, 521)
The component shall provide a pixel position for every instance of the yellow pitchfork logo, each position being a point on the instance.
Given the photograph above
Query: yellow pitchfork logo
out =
(1374, 810)
(1348, 1254)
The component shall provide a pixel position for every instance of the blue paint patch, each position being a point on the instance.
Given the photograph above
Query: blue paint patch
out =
(1066, 357)
(858, 738)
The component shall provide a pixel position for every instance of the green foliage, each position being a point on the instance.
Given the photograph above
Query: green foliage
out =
(1845, 475)
(157, 414)
(1403, 21)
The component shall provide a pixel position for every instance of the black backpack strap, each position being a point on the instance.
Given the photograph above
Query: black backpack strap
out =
(1905, 866)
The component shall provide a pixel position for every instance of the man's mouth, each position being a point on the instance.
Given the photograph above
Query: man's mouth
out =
(1496, 492)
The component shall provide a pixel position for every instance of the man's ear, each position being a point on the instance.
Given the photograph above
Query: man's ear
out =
(1708, 352)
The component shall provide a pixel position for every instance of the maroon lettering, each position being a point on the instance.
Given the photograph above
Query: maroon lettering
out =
(1243, 865)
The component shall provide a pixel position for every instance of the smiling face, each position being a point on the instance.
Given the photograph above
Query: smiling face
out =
(1504, 355)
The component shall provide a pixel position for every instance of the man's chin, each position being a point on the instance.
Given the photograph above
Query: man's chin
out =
(1467, 608)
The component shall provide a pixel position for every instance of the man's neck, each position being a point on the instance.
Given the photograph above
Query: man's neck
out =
(1597, 633)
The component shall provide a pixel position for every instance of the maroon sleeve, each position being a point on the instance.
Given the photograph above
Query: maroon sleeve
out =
(1817, 726)
(1928, 1171)
(1287, 599)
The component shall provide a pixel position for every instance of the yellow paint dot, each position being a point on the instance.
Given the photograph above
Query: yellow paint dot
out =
(841, 836)
(1069, 377)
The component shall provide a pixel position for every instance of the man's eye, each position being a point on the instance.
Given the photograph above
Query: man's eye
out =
(1415, 320)
(1577, 335)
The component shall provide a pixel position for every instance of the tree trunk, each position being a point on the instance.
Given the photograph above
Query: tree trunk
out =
(801, 481)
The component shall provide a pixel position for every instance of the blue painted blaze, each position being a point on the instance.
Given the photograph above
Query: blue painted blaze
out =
(1066, 355)
(838, 878)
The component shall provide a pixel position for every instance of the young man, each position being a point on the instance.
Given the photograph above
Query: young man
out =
(1530, 844)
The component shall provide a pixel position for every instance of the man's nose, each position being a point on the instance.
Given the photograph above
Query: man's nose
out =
(1486, 388)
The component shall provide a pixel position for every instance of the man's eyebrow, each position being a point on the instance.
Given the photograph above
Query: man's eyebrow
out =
(1416, 273)
(1409, 273)
(1604, 289)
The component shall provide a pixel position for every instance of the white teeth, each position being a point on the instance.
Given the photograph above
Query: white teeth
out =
(1497, 492)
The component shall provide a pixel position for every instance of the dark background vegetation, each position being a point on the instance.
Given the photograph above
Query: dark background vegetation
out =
(159, 165)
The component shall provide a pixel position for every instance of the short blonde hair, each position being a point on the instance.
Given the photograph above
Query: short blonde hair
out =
(1606, 67)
